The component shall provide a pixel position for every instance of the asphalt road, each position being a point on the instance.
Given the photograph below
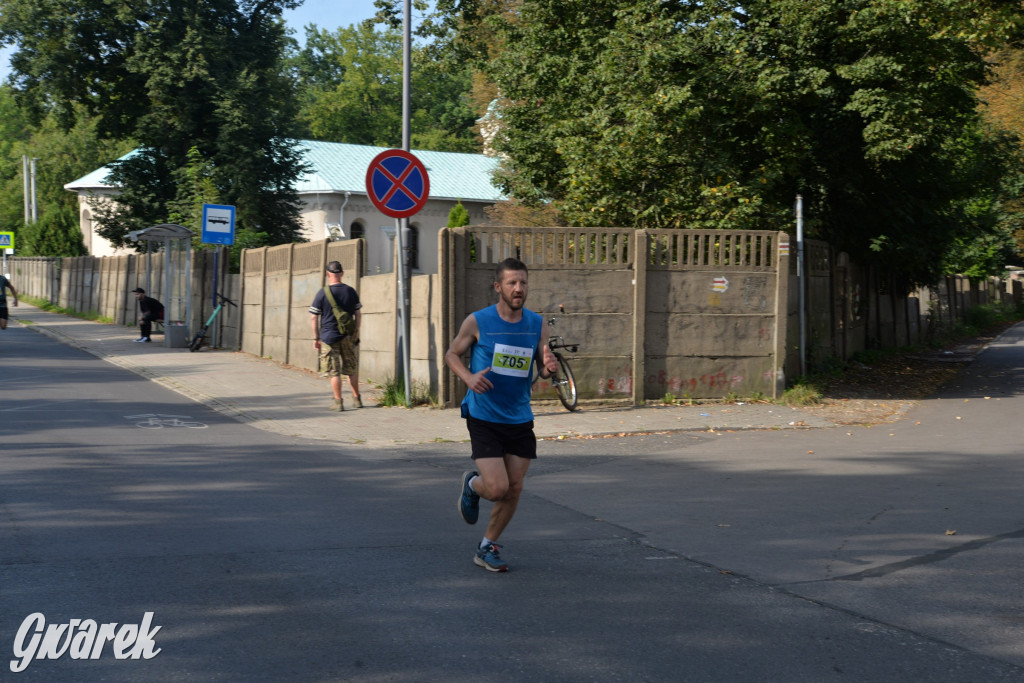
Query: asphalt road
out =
(812, 555)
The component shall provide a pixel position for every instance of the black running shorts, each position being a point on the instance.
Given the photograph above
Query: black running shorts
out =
(494, 440)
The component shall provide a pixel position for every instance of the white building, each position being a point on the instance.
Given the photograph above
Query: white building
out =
(335, 203)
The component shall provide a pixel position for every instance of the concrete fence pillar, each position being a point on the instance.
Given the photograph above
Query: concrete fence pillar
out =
(640, 251)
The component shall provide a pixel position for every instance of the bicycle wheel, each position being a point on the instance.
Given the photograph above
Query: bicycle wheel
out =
(565, 383)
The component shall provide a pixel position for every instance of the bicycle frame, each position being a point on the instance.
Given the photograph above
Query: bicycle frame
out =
(197, 341)
(562, 379)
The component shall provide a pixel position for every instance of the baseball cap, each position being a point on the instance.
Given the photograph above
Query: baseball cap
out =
(139, 290)
(334, 267)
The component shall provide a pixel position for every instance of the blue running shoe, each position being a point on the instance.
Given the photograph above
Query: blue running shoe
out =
(489, 559)
(469, 501)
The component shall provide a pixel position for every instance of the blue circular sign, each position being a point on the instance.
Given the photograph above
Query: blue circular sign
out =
(397, 183)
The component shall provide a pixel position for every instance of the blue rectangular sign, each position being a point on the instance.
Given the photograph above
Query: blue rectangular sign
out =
(218, 224)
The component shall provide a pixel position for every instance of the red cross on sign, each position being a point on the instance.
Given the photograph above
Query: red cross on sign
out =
(397, 183)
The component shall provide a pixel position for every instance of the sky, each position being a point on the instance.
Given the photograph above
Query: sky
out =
(326, 14)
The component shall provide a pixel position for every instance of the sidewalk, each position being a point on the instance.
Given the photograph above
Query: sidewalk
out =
(294, 402)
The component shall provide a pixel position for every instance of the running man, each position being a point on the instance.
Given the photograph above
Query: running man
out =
(504, 340)
(5, 284)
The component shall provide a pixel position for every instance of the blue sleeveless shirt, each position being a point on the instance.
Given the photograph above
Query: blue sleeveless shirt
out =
(508, 349)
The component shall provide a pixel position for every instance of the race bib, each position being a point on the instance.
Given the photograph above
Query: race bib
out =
(511, 360)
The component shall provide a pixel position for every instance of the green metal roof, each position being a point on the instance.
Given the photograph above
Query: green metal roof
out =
(340, 167)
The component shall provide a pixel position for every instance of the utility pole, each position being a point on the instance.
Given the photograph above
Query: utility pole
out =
(25, 184)
(403, 223)
(35, 213)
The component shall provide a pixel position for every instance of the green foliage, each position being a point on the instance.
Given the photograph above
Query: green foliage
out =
(14, 133)
(458, 216)
(57, 233)
(801, 394)
(44, 305)
(709, 115)
(246, 239)
(352, 92)
(394, 393)
(986, 316)
(61, 155)
(195, 182)
(203, 76)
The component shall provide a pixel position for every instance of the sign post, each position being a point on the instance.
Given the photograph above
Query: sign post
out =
(218, 224)
(219, 229)
(399, 186)
(7, 244)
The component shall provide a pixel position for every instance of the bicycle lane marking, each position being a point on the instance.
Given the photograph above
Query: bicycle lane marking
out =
(160, 420)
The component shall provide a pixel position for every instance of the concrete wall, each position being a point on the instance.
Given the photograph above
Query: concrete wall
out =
(711, 305)
(101, 286)
(850, 308)
(278, 286)
(691, 313)
(281, 282)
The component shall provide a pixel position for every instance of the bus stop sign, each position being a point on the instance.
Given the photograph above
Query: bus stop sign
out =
(397, 183)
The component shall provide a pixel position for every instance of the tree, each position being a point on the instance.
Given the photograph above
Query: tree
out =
(61, 155)
(458, 216)
(459, 35)
(351, 83)
(715, 115)
(193, 74)
(57, 233)
(14, 132)
(1004, 111)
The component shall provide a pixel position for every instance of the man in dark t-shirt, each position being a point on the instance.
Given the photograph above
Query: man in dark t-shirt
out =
(5, 284)
(339, 353)
(149, 310)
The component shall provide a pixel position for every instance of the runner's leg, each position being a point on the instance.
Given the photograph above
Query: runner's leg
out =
(503, 482)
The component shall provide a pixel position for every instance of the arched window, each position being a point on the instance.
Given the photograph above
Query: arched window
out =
(356, 231)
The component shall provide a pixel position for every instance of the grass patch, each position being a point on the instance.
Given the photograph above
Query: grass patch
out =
(44, 305)
(804, 393)
(419, 394)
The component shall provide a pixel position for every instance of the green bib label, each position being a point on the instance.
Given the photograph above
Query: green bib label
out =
(511, 360)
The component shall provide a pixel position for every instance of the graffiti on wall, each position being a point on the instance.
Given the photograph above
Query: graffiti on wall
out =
(621, 382)
(755, 296)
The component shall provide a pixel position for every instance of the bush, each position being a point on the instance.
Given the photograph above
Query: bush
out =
(801, 395)
(986, 315)
(394, 393)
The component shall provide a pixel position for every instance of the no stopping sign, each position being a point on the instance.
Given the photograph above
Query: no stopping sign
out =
(397, 183)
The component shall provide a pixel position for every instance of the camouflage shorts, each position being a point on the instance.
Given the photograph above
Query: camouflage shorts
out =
(339, 358)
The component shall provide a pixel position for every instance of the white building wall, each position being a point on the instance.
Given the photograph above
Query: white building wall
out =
(379, 230)
(319, 210)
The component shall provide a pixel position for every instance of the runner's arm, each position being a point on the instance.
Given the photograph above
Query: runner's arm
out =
(548, 359)
(464, 340)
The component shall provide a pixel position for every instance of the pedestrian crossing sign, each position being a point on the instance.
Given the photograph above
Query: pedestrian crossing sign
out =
(6, 240)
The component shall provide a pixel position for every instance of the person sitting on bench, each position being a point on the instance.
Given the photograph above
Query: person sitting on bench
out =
(150, 310)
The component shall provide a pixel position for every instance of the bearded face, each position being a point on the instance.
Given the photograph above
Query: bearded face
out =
(512, 289)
